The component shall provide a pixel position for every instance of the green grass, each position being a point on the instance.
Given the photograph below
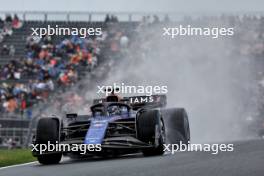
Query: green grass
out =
(15, 156)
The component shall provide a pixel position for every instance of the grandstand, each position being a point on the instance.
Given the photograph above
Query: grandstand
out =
(17, 125)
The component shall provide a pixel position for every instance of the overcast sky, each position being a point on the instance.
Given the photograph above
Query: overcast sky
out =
(133, 5)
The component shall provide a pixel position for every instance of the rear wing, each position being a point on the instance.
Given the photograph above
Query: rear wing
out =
(153, 101)
(137, 102)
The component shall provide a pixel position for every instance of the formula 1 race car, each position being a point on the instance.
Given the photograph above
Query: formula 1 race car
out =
(120, 125)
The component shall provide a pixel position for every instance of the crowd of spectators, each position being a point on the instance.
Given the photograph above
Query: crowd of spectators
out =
(50, 65)
(111, 19)
(7, 26)
(114, 43)
(8, 50)
(46, 66)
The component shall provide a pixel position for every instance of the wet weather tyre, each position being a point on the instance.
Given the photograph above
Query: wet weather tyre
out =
(151, 130)
(177, 123)
(48, 130)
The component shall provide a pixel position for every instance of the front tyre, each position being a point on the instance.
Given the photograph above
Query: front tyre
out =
(48, 130)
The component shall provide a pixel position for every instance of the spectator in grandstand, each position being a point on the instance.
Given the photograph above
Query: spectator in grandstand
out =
(124, 41)
(1, 36)
(156, 19)
(17, 74)
(7, 30)
(166, 19)
(114, 19)
(31, 41)
(111, 19)
(8, 18)
(145, 21)
(1, 22)
(16, 23)
(107, 18)
(12, 50)
(5, 50)
(11, 104)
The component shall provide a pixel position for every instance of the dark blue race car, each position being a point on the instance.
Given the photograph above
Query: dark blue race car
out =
(119, 126)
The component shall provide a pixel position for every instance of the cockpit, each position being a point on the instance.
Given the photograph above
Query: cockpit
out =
(110, 109)
(117, 110)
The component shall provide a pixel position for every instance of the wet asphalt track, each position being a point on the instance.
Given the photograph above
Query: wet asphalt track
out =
(246, 160)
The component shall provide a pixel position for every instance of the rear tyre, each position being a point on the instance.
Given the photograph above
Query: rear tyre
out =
(177, 124)
(48, 130)
(151, 130)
